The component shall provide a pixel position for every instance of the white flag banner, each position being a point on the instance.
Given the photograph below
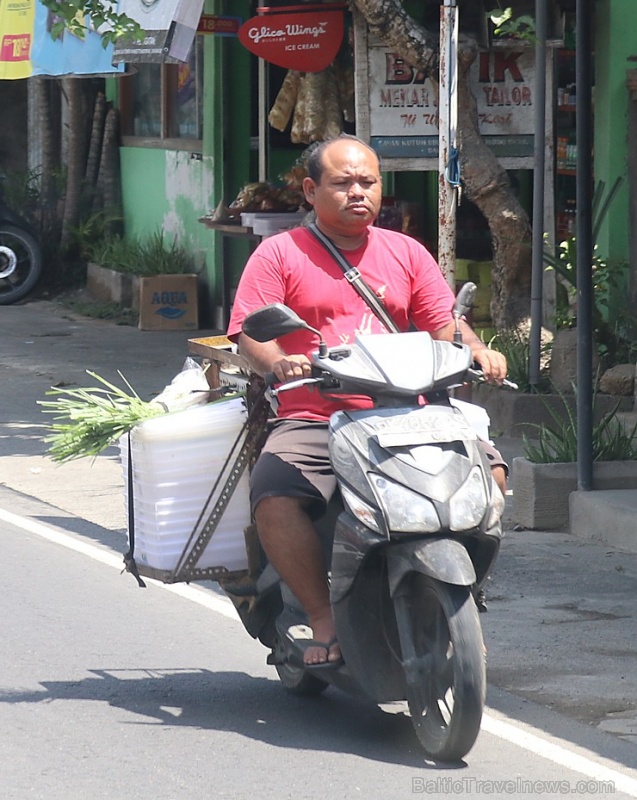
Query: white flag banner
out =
(169, 30)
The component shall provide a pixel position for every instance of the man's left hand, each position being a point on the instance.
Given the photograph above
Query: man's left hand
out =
(492, 363)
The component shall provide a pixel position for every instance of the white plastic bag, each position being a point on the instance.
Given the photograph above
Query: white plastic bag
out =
(188, 388)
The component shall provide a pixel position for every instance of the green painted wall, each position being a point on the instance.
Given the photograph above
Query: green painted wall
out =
(171, 189)
(615, 41)
(167, 190)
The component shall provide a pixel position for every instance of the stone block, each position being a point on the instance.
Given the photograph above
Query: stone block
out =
(516, 413)
(618, 380)
(109, 286)
(541, 491)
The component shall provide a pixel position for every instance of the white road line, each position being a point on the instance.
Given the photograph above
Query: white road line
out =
(534, 743)
(218, 604)
(551, 751)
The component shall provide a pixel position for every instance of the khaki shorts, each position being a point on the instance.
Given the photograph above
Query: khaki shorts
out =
(294, 462)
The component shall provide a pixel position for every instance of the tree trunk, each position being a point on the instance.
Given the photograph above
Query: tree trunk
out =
(487, 185)
(49, 156)
(485, 182)
(109, 175)
(75, 150)
(94, 150)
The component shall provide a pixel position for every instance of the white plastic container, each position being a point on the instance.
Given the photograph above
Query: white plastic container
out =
(176, 460)
(268, 223)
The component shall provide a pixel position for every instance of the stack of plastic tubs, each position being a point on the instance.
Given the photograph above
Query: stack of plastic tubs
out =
(175, 461)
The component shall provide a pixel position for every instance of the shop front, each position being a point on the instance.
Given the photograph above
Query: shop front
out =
(186, 142)
(250, 99)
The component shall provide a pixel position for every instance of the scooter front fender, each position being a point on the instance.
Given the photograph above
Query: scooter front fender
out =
(444, 559)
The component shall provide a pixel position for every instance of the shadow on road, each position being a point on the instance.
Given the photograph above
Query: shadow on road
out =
(254, 707)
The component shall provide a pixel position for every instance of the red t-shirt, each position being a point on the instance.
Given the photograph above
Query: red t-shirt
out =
(295, 269)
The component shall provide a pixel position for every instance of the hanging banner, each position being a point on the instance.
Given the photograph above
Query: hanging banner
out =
(68, 54)
(26, 46)
(307, 41)
(16, 37)
(169, 25)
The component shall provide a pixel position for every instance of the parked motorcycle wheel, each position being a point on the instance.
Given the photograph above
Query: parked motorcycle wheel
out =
(447, 690)
(299, 682)
(20, 263)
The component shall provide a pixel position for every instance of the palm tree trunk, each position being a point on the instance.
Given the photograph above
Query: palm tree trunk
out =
(75, 150)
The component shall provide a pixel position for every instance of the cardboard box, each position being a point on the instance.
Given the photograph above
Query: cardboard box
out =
(168, 303)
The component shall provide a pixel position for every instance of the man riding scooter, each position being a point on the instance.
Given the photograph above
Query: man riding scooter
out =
(292, 481)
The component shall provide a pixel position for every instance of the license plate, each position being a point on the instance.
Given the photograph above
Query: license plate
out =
(422, 428)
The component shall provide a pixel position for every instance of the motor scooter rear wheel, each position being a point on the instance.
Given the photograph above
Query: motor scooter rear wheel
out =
(299, 682)
(20, 263)
(446, 682)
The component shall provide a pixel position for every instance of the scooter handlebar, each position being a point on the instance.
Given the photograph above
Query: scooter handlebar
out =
(270, 379)
(476, 375)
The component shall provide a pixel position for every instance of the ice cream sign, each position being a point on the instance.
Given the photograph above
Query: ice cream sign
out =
(295, 37)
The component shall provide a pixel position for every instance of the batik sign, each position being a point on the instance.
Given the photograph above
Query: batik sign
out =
(307, 41)
(403, 103)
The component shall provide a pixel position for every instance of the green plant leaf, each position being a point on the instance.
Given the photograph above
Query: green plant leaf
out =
(498, 16)
(557, 442)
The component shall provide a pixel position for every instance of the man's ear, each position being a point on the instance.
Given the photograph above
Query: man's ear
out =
(309, 188)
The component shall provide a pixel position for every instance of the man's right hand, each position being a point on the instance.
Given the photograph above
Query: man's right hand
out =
(265, 357)
(292, 367)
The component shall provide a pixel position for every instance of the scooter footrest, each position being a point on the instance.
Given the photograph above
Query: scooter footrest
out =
(274, 658)
(241, 590)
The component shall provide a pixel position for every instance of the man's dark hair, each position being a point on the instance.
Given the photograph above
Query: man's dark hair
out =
(314, 154)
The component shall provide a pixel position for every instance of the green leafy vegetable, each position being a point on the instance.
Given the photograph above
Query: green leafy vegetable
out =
(89, 420)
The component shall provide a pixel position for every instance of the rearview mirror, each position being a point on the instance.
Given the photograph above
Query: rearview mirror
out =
(465, 299)
(271, 322)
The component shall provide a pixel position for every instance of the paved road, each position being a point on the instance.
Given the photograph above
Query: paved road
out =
(113, 692)
(561, 629)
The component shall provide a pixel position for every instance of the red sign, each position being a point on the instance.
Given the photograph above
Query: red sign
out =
(307, 42)
(15, 48)
(221, 26)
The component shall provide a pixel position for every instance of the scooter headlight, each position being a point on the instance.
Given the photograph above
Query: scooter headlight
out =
(405, 511)
(497, 504)
(468, 505)
(359, 508)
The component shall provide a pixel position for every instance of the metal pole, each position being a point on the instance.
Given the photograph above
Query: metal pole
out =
(447, 138)
(583, 191)
(539, 149)
(263, 117)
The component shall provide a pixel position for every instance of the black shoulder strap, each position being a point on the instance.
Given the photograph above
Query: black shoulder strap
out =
(356, 279)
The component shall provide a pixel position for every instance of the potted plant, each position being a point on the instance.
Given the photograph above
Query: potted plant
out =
(543, 480)
(154, 276)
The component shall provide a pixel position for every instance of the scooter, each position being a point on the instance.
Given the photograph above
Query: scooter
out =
(20, 255)
(416, 537)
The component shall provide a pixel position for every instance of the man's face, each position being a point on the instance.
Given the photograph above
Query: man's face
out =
(348, 198)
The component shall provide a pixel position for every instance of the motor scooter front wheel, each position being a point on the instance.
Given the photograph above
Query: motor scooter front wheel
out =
(443, 654)
(20, 263)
